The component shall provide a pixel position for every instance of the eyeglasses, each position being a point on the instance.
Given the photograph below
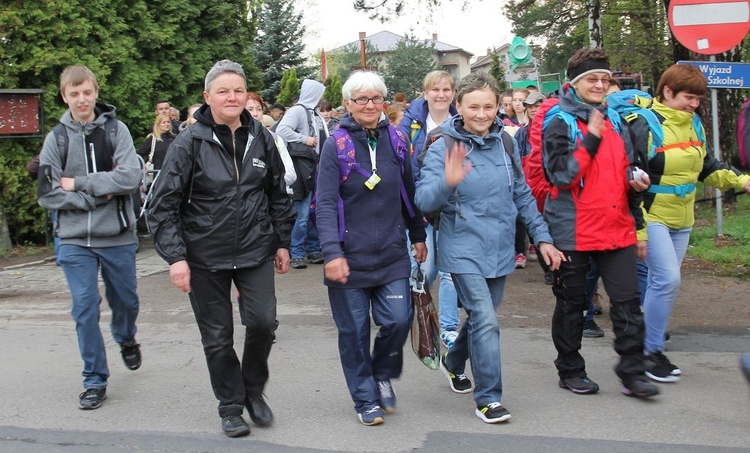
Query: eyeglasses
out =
(593, 80)
(363, 100)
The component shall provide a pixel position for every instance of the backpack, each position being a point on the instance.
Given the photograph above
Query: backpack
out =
(348, 163)
(630, 104)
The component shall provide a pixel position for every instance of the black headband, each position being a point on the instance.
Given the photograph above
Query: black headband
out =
(587, 66)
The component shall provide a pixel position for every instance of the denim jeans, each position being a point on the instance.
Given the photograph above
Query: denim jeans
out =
(666, 250)
(212, 305)
(479, 338)
(304, 234)
(447, 297)
(81, 266)
(592, 287)
(392, 311)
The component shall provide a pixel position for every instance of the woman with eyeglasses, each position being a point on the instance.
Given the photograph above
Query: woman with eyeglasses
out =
(364, 207)
(593, 211)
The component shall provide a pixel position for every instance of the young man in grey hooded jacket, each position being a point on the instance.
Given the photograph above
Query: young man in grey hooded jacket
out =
(304, 130)
(89, 183)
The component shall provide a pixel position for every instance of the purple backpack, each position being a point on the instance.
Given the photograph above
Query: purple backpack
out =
(348, 163)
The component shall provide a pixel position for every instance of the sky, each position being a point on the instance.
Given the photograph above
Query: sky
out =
(333, 23)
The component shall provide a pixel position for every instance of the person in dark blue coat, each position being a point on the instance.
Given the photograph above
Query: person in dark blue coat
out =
(367, 261)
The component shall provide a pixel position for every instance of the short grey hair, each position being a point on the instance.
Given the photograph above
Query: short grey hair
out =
(474, 82)
(222, 67)
(363, 81)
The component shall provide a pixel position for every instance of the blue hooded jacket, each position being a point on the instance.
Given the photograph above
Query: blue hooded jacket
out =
(415, 122)
(478, 217)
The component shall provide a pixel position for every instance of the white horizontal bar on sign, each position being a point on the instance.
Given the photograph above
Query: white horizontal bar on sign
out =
(711, 14)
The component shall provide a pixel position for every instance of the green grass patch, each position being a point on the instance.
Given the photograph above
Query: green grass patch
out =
(730, 252)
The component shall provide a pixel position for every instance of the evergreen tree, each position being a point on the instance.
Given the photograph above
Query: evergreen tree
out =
(407, 65)
(333, 90)
(279, 45)
(290, 86)
(498, 72)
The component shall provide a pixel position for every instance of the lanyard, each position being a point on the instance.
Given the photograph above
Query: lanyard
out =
(372, 156)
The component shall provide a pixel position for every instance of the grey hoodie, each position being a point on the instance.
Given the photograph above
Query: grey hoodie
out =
(86, 216)
(294, 126)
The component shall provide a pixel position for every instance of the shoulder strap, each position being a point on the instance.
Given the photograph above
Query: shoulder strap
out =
(509, 150)
(61, 135)
(312, 130)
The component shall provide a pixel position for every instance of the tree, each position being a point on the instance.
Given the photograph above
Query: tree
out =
(333, 90)
(290, 85)
(140, 51)
(407, 64)
(498, 72)
(279, 45)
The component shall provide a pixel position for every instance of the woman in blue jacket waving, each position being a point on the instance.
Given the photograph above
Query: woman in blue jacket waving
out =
(479, 189)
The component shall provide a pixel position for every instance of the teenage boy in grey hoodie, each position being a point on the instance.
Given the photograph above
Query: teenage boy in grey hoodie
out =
(303, 125)
(89, 185)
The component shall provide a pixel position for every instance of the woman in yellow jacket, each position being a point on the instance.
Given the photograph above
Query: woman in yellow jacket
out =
(677, 165)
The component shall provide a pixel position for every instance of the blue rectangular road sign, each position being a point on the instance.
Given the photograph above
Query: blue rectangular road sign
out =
(721, 74)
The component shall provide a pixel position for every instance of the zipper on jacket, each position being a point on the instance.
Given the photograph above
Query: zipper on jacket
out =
(86, 169)
(238, 199)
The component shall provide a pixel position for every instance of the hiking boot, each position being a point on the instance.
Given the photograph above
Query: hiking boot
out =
(520, 261)
(315, 258)
(260, 412)
(371, 417)
(582, 385)
(387, 397)
(660, 369)
(448, 337)
(639, 387)
(131, 354)
(592, 330)
(597, 300)
(234, 426)
(298, 263)
(549, 277)
(459, 382)
(493, 413)
(92, 398)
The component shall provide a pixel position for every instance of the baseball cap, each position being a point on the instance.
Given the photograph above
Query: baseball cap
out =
(533, 98)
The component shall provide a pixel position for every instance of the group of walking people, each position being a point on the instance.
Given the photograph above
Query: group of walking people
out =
(443, 190)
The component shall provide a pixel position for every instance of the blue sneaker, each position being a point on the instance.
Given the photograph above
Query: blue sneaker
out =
(371, 417)
(387, 397)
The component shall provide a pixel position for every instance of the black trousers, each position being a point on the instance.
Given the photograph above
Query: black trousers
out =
(618, 272)
(211, 299)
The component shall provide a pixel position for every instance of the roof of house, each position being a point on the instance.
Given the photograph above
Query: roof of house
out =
(386, 41)
(487, 59)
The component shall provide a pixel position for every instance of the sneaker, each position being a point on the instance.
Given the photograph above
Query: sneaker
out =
(532, 253)
(660, 369)
(448, 337)
(639, 387)
(131, 354)
(371, 417)
(582, 385)
(592, 330)
(520, 261)
(298, 263)
(92, 399)
(459, 382)
(493, 413)
(315, 258)
(549, 277)
(598, 310)
(387, 397)
(234, 426)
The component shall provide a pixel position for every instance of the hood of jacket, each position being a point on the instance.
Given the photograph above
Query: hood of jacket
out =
(310, 93)
(571, 103)
(455, 128)
(418, 111)
(102, 111)
(347, 122)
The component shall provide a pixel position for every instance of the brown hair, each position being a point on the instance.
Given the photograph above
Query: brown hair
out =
(76, 75)
(251, 95)
(582, 55)
(682, 77)
(476, 81)
(392, 111)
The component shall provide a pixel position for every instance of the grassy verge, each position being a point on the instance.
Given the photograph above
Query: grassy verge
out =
(731, 252)
(27, 251)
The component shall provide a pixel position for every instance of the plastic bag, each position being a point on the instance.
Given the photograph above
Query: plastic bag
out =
(425, 328)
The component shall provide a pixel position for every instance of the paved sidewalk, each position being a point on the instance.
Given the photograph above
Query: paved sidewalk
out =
(167, 405)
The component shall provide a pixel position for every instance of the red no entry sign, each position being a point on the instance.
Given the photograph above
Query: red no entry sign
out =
(709, 26)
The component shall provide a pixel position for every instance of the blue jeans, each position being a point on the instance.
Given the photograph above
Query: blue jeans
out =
(666, 250)
(447, 297)
(392, 312)
(592, 287)
(479, 338)
(304, 234)
(81, 266)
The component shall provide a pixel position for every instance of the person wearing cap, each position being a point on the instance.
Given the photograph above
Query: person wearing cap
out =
(593, 211)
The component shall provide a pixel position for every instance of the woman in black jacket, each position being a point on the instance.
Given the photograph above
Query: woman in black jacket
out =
(154, 149)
